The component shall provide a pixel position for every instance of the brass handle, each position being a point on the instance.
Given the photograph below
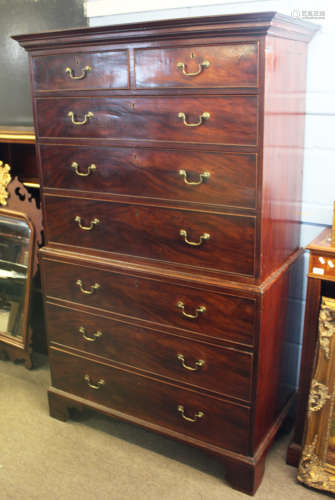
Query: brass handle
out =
(96, 386)
(87, 116)
(203, 237)
(199, 310)
(87, 292)
(90, 169)
(197, 415)
(86, 228)
(203, 116)
(94, 337)
(84, 72)
(197, 365)
(181, 66)
(203, 176)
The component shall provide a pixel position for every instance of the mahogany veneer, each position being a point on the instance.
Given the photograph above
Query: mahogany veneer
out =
(144, 131)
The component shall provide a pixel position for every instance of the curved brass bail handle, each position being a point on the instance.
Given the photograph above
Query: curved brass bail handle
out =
(204, 116)
(199, 310)
(197, 365)
(182, 67)
(94, 337)
(87, 116)
(203, 237)
(84, 72)
(93, 223)
(96, 386)
(90, 169)
(87, 292)
(203, 176)
(197, 415)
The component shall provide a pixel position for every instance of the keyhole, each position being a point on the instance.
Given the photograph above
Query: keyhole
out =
(132, 105)
(135, 156)
(192, 56)
(76, 60)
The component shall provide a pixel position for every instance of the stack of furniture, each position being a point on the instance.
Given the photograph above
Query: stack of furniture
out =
(171, 165)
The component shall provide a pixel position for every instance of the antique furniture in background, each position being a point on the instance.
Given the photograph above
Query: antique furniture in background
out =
(17, 148)
(317, 464)
(20, 236)
(321, 282)
(171, 156)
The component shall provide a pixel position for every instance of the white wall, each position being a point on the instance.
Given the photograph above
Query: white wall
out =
(319, 167)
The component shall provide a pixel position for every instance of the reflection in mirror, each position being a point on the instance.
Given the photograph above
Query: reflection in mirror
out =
(14, 259)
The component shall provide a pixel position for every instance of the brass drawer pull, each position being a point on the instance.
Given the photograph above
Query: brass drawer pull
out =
(197, 415)
(182, 67)
(203, 176)
(87, 116)
(96, 386)
(197, 365)
(203, 237)
(199, 310)
(87, 292)
(84, 72)
(90, 169)
(94, 337)
(203, 116)
(86, 228)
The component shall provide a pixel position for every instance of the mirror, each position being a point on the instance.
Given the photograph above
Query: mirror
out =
(15, 257)
(20, 237)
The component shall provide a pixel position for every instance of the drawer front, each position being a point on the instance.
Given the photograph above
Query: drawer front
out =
(222, 370)
(223, 424)
(322, 266)
(225, 316)
(199, 177)
(232, 119)
(81, 71)
(157, 233)
(229, 65)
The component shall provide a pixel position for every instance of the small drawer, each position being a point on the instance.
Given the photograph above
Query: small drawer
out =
(187, 238)
(196, 119)
(226, 371)
(205, 418)
(322, 266)
(209, 66)
(81, 71)
(193, 310)
(193, 176)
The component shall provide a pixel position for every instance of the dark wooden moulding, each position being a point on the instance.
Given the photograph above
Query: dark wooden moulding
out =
(252, 145)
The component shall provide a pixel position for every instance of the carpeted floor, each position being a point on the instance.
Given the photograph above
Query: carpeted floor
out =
(94, 457)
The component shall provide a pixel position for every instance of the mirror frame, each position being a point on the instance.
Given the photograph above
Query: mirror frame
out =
(315, 469)
(20, 348)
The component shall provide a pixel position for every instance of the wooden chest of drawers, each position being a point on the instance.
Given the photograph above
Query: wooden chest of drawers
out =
(171, 160)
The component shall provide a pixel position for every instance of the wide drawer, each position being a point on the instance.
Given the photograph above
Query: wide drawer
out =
(81, 71)
(193, 176)
(225, 316)
(227, 65)
(226, 371)
(215, 421)
(218, 119)
(188, 238)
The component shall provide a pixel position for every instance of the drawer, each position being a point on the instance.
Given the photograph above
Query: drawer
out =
(81, 71)
(150, 173)
(218, 66)
(226, 371)
(221, 423)
(322, 266)
(162, 234)
(226, 316)
(231, 119)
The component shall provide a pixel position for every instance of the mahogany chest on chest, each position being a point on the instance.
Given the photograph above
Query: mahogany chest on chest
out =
(171, 163)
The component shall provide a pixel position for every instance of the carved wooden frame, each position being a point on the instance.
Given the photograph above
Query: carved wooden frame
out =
(314, 468)
(19, 204)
